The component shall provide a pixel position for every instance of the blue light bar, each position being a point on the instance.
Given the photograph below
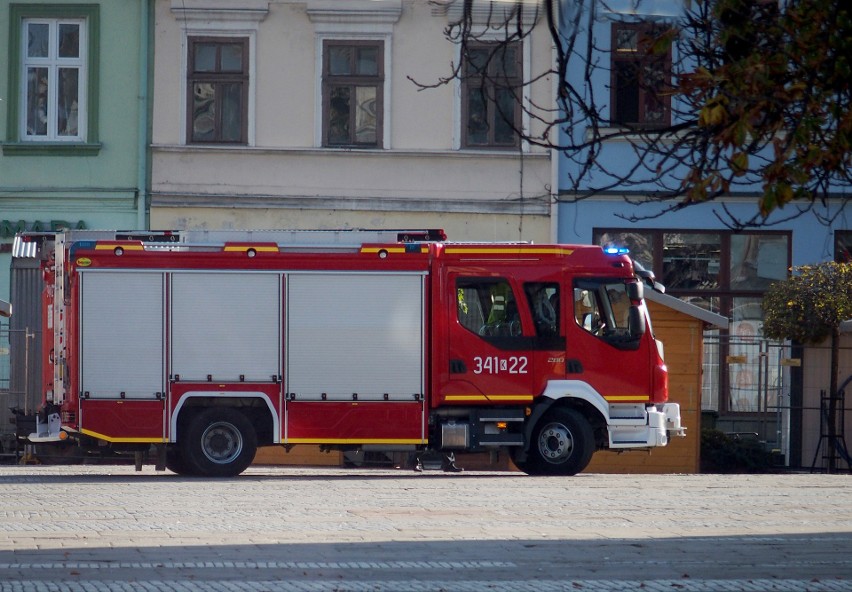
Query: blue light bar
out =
(616, 250)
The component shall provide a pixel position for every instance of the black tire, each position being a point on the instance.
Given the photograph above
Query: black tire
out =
(218, 442)
(175, 462)
(562, 444)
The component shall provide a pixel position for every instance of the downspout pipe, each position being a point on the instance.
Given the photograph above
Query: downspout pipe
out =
(144, 115)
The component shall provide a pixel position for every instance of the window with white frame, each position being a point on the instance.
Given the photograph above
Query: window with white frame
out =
(54, 74)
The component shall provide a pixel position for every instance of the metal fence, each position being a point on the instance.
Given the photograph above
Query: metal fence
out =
(778, 394)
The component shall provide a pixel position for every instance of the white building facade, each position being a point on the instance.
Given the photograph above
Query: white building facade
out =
(326, 114)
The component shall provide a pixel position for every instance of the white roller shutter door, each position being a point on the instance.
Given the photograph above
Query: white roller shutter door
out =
(121, 334)
(355, 333)
(226, 326)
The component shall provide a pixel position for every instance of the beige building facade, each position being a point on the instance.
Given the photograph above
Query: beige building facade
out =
(326, 114)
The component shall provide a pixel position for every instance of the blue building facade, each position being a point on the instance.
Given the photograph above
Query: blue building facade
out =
(694, 251)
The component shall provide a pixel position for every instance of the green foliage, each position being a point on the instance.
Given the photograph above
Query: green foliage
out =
(810, 305)
(775, 80)
(721, 453)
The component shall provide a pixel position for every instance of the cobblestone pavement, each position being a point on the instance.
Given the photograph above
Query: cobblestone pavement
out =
(276, 529)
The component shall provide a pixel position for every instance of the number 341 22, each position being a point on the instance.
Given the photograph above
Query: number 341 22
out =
(498, 365)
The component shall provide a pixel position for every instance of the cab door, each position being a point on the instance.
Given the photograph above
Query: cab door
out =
(547, 311)
(609, 355)
(489, 341)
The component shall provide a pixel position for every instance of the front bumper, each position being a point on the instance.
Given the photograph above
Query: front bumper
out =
(653, 430)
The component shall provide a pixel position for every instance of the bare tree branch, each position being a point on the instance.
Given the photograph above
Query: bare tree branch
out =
(757, 99)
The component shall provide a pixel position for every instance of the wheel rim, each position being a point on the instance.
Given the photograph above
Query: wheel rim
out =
(221, 442)
(555, 443)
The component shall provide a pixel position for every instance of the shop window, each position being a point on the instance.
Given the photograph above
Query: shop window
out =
(691, 261)
(757, 260)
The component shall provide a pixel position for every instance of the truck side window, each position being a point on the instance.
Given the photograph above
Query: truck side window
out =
(587, 311)
(620, 303)
(603, 307)
(487, 307)
(543, 301)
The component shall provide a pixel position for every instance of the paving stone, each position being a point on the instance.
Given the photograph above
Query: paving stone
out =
(93, 528)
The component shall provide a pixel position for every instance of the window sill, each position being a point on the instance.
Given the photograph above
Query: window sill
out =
(50, 149)
(634, 134)
(489, 148)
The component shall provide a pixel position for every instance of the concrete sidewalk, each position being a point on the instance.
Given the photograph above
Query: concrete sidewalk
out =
(108, 527)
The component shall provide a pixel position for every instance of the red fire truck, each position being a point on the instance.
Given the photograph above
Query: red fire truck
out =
(208, 344)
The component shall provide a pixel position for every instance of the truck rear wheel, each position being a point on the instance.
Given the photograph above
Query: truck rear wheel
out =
(218, 442)
(562, 444)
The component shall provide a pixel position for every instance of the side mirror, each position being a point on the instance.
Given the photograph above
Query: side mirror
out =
(636, 322)
(636, 291)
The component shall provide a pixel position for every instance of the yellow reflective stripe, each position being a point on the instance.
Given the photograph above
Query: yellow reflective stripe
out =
(508, 250)
(114, 439)
(111, 246)
(386, 249)
(259, 249)
(628, 398)
(488, 398)
(423, 249)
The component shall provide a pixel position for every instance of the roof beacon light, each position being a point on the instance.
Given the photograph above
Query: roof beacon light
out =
(616, 250)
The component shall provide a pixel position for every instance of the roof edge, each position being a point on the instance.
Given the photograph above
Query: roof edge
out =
(709, 318)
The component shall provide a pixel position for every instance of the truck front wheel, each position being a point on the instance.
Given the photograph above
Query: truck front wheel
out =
(562, 444)
(218, 442)
(175, 462)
